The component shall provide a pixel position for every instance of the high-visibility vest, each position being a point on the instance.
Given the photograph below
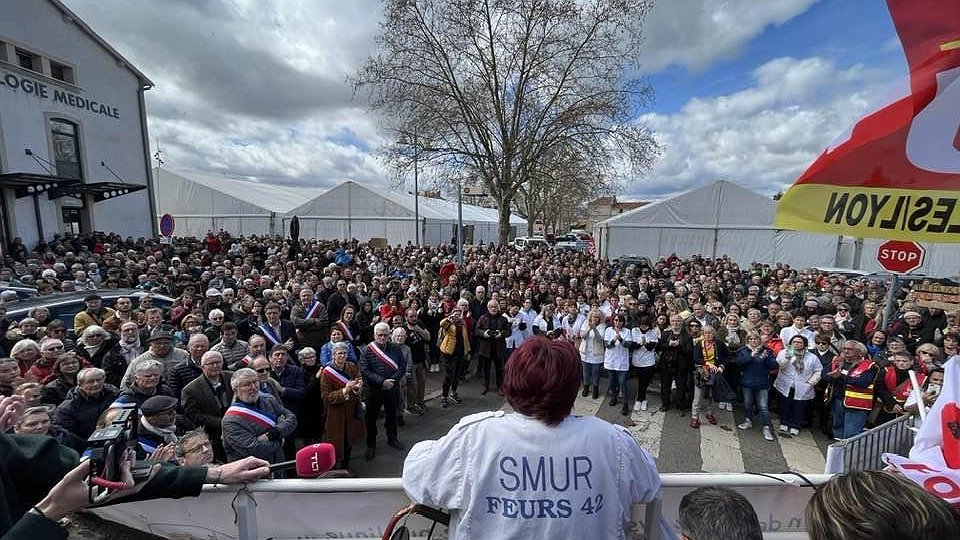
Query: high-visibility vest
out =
(856, 397)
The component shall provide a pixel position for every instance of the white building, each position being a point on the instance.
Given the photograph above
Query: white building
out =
(74, 153)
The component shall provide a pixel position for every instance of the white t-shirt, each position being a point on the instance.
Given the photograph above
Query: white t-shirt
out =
(510, 476)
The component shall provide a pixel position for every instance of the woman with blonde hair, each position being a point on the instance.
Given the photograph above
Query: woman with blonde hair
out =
(876, 505)
(589, 340)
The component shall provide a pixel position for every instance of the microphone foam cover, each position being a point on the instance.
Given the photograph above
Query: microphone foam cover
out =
(315, 459)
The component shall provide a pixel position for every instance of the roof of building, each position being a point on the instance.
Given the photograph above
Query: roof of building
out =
(70, 16)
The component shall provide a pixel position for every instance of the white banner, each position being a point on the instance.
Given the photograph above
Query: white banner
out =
(365, 514)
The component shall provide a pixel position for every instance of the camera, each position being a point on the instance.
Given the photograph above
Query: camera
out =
(109, 444)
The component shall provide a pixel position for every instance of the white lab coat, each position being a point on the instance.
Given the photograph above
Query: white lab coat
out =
(802, 382)
(588, 353)
(642, 357)
(510, 476)
(617, 358)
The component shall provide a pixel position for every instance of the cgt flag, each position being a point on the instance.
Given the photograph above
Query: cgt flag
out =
(897, 174)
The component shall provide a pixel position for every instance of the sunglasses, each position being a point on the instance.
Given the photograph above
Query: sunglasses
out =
(262, 370)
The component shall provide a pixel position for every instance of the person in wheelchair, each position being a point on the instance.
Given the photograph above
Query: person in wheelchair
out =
(538, 472)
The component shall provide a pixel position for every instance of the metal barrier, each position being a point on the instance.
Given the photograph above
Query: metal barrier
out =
(358, 508)
(863, 452)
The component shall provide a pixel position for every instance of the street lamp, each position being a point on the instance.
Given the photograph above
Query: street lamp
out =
(416, 184)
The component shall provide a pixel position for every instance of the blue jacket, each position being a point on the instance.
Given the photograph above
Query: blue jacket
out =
(755, 370)
(326, 354)
(293, 385)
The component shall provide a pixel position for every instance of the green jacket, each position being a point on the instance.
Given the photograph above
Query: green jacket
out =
(30, 465)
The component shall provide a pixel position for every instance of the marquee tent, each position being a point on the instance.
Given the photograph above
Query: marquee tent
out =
(724, 218)
(201, 202)
(353, 210)
(714, 220)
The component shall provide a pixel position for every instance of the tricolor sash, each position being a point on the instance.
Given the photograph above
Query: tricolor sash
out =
(312, 311)
(336, 376)
(382, 356)
(271, 335)
(345, 328)
(147, 445)
(249, 412)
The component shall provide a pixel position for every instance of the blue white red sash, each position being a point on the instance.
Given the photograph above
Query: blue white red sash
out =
(270, 334)
(336, 376)
(382, 356)
(147, 445)
(345, 328)
(312, 311)
(249, 412)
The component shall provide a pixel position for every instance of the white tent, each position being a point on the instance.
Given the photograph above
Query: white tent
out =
(719, 219)
(353, 210)
(201, 202)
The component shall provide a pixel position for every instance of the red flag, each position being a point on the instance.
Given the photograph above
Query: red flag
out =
(897, 175)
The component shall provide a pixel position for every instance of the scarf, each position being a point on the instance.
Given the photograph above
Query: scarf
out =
(797, 361)
(168, 434)
(596, 339)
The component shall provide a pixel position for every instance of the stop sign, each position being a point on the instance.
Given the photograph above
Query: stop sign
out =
(900, 257)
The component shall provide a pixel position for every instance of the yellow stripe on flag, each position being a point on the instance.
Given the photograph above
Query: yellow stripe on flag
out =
(950, 45)
(898, 214)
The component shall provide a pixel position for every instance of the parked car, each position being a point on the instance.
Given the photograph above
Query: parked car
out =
(641, 262)
(23, 292)
(65, 306)
(570, 242)
(525, 243)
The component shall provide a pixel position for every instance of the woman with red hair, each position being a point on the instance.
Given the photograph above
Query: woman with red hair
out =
(538, 472)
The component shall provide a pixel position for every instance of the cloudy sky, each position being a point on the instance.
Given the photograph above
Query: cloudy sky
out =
(747, 91)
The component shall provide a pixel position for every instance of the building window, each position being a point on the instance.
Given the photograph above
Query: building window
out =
(27, 60)
(61, 72)
(66, 148)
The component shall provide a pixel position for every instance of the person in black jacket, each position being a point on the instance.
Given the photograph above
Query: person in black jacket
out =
(685, 364)
(85, 403)
(382, 365)
(187, 370)
(669, 347)
(491, 333)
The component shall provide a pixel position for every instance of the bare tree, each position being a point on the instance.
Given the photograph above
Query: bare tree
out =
(502, 87)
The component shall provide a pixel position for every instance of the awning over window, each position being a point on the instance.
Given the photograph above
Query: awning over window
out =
(26, 184)
(101, 191)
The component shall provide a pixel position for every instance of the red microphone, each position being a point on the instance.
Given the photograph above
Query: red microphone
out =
(311, 462)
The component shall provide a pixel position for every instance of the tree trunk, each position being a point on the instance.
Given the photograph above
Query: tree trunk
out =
(504, 221)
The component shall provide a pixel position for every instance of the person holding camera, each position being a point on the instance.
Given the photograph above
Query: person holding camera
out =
(454, 344)
(491, 331)
(42, 481)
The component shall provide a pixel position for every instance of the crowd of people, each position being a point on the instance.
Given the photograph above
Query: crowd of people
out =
(269, 346)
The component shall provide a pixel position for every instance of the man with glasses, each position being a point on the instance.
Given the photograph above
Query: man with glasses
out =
(206, 398)
(261, 366)
(256, 423)
(382, 364)
(187, 370)
(195, 448)
(85, 403)
(852, 377)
